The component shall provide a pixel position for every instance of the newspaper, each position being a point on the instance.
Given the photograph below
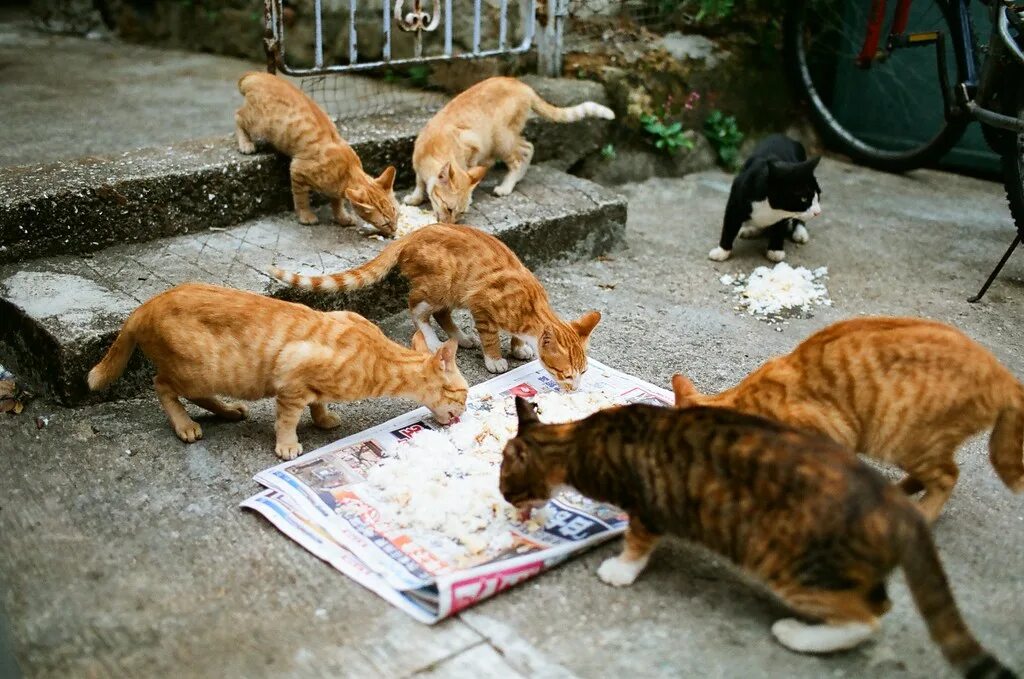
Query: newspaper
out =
(323, 501)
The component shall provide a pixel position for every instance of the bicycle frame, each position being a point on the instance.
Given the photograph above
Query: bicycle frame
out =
(972, 94)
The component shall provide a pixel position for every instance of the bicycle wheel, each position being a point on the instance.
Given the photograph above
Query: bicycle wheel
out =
(1013, 172)
(890, 113)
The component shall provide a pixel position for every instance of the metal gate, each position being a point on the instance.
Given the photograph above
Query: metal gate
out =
(413, 16)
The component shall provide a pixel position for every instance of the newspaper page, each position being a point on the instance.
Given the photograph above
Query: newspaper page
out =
(326, 502)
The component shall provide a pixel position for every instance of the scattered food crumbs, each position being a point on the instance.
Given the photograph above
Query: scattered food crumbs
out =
(411, 218)
(773, 293)
(447, 480)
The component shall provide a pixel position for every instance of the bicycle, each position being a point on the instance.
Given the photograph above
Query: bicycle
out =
(860, 87)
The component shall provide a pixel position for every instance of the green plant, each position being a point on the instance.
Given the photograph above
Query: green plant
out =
(667, 138)
(608, 151)
(724, 134)
(419, 75)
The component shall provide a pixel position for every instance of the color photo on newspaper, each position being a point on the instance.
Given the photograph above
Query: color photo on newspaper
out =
(411, 509)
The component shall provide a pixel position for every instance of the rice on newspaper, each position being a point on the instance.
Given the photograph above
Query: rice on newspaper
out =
(411, 509)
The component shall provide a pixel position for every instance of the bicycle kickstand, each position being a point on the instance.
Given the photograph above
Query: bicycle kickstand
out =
(995, 272)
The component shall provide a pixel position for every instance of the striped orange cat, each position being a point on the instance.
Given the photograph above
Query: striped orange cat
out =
(803, 515)
(481, 125)
(906, 391)
(281, 114)
(458, 267)
(207, 341)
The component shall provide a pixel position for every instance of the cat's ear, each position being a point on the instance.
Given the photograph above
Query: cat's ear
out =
(419, 342)
(445, 176)
(586, 323)
(476, 174)
(683, 390)
(444, 357)
(356, 195)
(386, 180)
(526, 412)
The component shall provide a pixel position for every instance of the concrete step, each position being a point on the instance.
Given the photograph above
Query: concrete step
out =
(59, 314)
(87, 204)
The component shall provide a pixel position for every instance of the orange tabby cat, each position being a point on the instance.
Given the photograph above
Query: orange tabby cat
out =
(801, 514)
(207, 341)
(459, 267)
(483, 124)
(902, 390)
(280, 113)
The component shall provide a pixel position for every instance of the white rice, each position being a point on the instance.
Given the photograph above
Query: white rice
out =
(447, 481)
(780, 289)
(411, 218)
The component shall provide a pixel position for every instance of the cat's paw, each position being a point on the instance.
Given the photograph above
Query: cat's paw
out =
(468, 341)
(288, 451)
(246, 147)
(345, 219)
(308, 217)
(234, 412)
(619, 573)
(800, 234)
(496, 365)
(327, 421)
(524, 352)
(413, 199)
(750, 232)
(719, 254)
(775, 255)
(803, 638)
(189, 432)
(502, 190)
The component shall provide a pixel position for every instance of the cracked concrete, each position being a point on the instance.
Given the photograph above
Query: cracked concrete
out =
(123, 552)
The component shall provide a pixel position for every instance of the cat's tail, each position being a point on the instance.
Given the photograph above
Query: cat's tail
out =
(373, 271)
(241, 81)
(588, 109)
(934, 599)
(1006, 445)
(113, 364)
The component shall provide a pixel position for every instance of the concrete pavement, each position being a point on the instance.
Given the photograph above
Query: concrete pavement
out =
(123, 552)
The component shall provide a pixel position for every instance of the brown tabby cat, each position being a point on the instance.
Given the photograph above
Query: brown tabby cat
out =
(901, 390)
(483, 124)
(459, 267)
(280, 113)
(207, 341)
(803, 515)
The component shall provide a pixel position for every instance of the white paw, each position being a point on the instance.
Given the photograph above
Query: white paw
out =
(775, 255)
(803, 638)
(502, 190)
(800, 234)
(719, 254)
(524, 352)
(413, 199)
(496, 365)
(189, 432)
(750, 232)
(288, 451)
(619, 573)
(246, 147)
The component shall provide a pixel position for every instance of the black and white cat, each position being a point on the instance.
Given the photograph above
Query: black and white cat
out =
(774, 192)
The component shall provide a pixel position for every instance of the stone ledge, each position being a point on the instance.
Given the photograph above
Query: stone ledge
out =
(58, 315)
(86, 204)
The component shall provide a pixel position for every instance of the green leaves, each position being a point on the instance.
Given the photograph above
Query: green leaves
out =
(667, 138)
(724, 134)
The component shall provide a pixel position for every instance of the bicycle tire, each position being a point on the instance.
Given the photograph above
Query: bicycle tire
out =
(1013, 173)
(835, 135)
